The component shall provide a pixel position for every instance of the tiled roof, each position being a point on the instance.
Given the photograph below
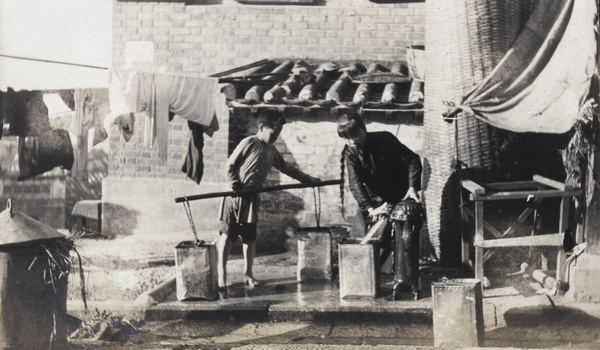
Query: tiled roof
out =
(287, 83)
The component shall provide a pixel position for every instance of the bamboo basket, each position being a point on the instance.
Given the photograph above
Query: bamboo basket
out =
(465, 40)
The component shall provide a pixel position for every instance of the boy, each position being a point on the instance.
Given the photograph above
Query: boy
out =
(247, 169)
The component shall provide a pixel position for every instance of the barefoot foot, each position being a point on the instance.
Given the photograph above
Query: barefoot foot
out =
(251, 282)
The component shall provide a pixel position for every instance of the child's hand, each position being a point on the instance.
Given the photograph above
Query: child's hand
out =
(315, 179)
(236, 186)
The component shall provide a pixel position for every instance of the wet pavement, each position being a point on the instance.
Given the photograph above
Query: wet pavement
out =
(286, 314)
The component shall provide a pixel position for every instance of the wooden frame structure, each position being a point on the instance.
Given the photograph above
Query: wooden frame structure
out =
(534, 192)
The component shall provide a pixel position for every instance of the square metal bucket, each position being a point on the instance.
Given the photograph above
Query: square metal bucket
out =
(314, 254)
(359, 269)
(458, 313)
(196, 271)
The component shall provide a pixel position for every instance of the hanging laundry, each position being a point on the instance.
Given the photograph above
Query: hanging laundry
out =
(192, 98)
(193, 164)
(68, 97)
(41, 153)
(26, 113)
(91, 107)
(129, 91)
(125, 123)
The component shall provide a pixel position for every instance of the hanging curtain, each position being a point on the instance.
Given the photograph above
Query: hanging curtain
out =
(543, 81)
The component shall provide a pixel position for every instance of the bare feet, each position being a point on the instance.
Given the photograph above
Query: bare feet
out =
(222, 284)
(251, 282)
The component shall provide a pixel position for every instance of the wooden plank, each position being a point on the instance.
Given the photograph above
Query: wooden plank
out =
(509, 186)
(549, 240)
(486, 225)
(563, 225)
(478, 241)
(525, 195)
(472, 187)
(552, 183)
(524, 215)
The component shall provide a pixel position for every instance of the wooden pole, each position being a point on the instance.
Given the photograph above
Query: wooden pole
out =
(258, 190)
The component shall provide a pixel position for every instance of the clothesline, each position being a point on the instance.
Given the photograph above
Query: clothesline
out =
(57, 62)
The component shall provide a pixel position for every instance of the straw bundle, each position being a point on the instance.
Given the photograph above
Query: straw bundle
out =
(465, 40)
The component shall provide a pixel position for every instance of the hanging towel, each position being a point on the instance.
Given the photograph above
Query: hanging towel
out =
(130, 92)
(193, 165)
(543, 81)
(192, 98)
(41, 153)
(124, 91)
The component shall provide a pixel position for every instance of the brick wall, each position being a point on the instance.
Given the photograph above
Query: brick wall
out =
(206, 39)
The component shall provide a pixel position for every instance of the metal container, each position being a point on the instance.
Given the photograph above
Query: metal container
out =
(359, 269)
(458, 313)
(407, 218)
(33, 302)
(314, 254)
(196, 271)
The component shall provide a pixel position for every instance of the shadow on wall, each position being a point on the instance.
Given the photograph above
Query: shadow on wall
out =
(97, 170)
(125, 223)
(90, 188)
(277, 224)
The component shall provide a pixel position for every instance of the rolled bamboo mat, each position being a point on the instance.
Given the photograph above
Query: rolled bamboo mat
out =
(465, 40)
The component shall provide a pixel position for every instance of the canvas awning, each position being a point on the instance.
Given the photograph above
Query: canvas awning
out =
(543, 81)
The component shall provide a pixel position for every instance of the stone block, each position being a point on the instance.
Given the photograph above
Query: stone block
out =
(584, 285)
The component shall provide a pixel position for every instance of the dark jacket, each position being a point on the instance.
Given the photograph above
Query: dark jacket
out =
(382, 171)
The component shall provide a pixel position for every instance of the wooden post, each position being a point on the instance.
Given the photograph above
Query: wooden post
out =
(563, 225)
(478, 242)
(591, 221)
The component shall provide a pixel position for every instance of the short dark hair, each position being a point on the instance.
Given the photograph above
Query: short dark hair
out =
(271, 118)
(349, 126)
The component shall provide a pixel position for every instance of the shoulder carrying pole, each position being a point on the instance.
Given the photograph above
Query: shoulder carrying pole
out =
(258, 190)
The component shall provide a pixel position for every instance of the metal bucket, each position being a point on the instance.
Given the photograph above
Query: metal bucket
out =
(458, 313)
(359, 269)
(196, 271)
(314, 254)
